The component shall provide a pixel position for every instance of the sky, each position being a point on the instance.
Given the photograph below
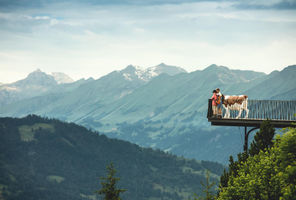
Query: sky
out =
(92, 38)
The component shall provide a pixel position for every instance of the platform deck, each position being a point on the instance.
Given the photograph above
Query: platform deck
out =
(250, 122)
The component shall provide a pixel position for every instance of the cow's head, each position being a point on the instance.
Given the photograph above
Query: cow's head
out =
(223, 100)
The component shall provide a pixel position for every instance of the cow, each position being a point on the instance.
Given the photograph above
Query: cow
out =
(238, 103)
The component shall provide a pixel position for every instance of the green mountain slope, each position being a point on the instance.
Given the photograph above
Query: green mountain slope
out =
(277, 84)
(74, 101)
(77, 101)
(167, 112)
(168, 95)
(170, 111)
(49, 159)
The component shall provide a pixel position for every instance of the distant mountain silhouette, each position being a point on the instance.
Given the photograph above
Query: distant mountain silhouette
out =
(36, 83)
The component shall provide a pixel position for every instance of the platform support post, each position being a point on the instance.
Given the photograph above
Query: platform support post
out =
(246, 140)
(247, 133)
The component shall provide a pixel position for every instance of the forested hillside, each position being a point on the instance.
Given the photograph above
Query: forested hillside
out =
(49, 159)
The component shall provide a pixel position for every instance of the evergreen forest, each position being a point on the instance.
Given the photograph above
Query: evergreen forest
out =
(47, 159)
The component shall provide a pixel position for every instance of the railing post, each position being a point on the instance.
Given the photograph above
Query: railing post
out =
(210, 109)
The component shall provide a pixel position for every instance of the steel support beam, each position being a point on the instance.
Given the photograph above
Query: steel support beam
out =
(247, 133)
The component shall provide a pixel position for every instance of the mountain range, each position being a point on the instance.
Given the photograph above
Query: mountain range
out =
(35, 84)
(161, 107)
(48, 159)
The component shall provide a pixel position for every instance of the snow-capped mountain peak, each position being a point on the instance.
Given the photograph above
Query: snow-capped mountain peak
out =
(132, 72)
(36, 77)
(168, 69)
(61, 77)
(135, 72)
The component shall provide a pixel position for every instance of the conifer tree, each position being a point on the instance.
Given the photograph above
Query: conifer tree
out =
(262, 139)
(108, 183)
(224, 179)
(207, 189)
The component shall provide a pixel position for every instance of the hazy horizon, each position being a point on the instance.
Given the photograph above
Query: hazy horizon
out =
(143, 68)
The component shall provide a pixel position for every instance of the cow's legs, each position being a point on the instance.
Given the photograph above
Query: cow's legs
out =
(239, 114)
(227, 113)
(247, 113)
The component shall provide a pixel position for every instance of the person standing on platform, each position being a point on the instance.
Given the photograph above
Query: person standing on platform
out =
(214, 103)
(219, 103)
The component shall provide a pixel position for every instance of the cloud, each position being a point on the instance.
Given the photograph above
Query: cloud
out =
(85, 39)
(285, 5)
(41, 17)
(238, 4)
(12, 4)
(266, 5)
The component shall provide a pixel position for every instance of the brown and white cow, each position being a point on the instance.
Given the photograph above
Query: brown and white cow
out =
(239, 103)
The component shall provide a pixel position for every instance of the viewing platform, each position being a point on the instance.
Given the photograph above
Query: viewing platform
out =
(281, 114)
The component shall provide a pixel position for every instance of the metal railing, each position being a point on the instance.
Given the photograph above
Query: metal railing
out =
(264, 109)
